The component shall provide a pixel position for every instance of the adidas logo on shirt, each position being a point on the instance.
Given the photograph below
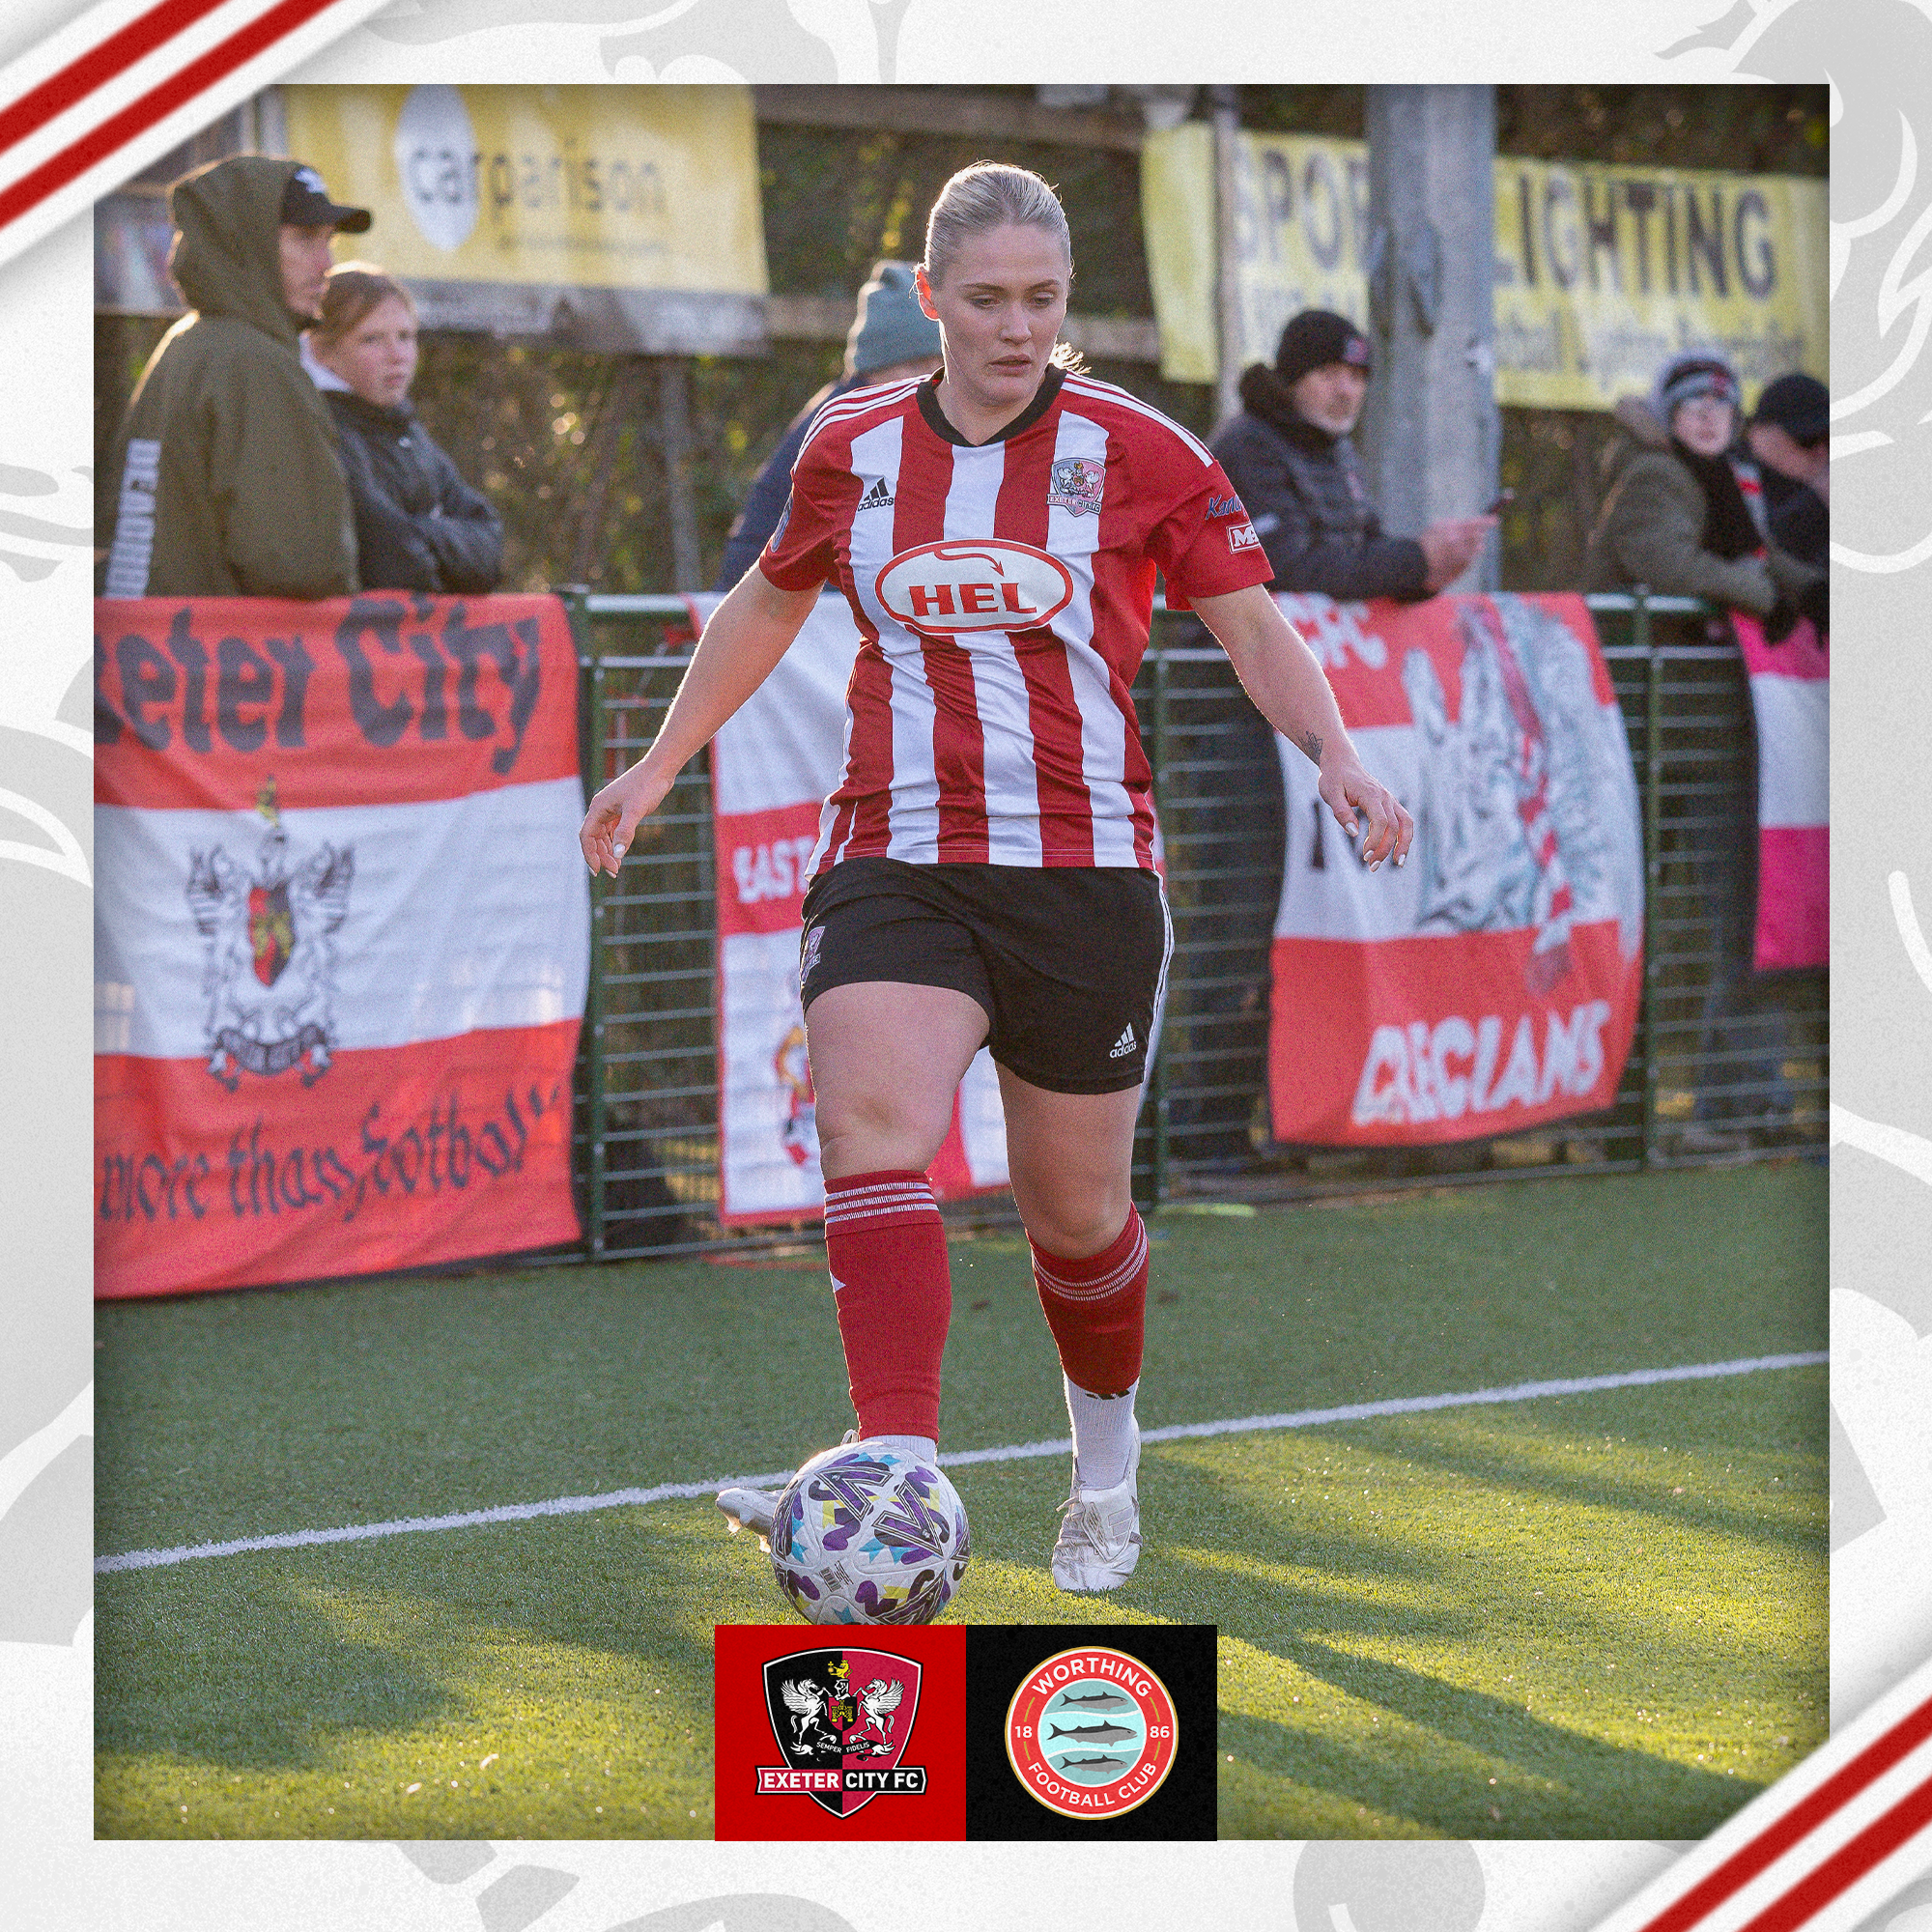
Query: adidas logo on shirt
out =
(1124, 1045)
(877, 497)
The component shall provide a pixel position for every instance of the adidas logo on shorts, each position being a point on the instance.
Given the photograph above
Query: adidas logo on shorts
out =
(877, 497)
(1124, 1045)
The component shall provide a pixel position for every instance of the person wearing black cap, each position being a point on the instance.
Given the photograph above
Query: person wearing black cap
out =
(891, 338)
(224, 479)
(1790, 434)
(1288, 452)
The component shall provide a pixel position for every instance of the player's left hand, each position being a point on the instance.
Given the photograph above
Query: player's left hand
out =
(1367, 809)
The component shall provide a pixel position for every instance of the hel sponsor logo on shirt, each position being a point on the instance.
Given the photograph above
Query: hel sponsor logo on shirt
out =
(1092, 1733)
(994, 584)
(843, 1719)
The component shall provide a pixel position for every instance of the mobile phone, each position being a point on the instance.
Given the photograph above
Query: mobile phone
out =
(1503, 501)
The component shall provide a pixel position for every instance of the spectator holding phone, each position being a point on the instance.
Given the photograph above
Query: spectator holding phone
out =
(419, 524)
(1288, 454)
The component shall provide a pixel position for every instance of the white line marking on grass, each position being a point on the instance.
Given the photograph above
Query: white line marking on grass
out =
(1008, 1452)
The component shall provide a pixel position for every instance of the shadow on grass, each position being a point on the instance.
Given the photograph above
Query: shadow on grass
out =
(1599, 1789)
(288, 1664)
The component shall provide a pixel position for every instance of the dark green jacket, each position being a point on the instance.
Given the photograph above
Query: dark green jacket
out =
(1652, 526)
(224, 479)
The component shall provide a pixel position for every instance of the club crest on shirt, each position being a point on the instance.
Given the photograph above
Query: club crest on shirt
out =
(1077, 484)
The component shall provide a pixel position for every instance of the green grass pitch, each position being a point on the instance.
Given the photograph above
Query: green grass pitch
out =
(1598, 1615)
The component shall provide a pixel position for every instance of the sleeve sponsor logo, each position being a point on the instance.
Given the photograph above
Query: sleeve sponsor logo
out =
(1242, 536)
(1224, 506)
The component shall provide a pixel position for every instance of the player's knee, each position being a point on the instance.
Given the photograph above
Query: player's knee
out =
(1077, 1229)
(870, 1131)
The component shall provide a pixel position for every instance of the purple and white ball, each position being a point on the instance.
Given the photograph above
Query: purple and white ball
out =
(867, 1534)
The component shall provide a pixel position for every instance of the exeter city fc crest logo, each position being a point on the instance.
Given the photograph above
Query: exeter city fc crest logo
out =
(843, 1719)
(269, 971)
(1077, 483)
(1092, 1733)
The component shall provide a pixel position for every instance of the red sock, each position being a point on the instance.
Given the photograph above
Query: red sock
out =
(886, 1247)
(1096, 1307)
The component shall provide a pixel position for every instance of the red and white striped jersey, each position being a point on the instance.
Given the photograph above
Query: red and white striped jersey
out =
(1003, 592)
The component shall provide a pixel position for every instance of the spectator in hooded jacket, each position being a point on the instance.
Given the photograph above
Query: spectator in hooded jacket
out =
(223, 479)
(418, 525)
(1790, 434)
(1686, 513)
(1289, 455)
(892, 337)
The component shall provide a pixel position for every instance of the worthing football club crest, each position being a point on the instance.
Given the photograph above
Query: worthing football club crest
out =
(268, 972)
(843, 1719)
(1077, 483)
(1092, 1733)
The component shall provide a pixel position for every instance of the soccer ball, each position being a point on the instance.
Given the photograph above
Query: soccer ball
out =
(865, 1534)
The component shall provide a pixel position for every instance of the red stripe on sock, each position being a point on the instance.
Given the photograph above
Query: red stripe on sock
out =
(1096, 1307)
(886, 1247)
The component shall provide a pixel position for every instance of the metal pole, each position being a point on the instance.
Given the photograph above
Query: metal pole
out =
(1159, 1083)
(675, 414)
(1653, 860)
(1430, 434)
(591, 670)
(1232, 334)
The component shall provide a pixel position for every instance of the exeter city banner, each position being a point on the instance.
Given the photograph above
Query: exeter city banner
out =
(1602, 271)
(619, 218)
(771, 769)
(341, 936)
(1493, 980)
(1790, 685)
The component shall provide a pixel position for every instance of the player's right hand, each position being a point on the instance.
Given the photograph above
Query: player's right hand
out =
(616, 814)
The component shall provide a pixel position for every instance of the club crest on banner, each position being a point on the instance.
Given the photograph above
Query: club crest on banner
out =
(1517, 828)
(268, 937)
(843, 1719)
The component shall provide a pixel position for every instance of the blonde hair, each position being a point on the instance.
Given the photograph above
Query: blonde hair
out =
(989, 195)
(355, 291)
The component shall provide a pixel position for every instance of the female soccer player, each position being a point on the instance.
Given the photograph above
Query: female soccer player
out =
(985, 871)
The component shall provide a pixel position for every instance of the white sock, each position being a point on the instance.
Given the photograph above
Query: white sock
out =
(922, 1447)
(1103, 1431)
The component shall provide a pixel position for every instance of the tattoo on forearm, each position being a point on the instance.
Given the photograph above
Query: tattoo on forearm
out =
(1311, 743)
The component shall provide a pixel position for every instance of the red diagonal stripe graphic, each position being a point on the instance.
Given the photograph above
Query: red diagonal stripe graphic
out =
(1776, 1839)
(156, 104)
(114, 55)
(1848, 1864)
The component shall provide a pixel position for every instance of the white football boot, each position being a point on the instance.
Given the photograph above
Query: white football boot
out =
(1100, 1539)
(755, 1509)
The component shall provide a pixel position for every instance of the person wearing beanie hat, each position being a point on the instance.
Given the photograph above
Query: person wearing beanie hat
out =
(1790, 434)
(891, 328)
(1288, 452)
(1685, 514)
(892, 339)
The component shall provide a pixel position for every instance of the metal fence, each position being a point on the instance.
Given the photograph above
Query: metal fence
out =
(1726, 1067)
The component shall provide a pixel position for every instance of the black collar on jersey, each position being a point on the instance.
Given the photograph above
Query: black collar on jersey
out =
(935, 417)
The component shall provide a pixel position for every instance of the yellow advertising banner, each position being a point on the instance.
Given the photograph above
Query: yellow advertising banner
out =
(631, 211)
(1602, 271)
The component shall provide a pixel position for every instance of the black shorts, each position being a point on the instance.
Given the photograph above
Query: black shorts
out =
(1069, 961)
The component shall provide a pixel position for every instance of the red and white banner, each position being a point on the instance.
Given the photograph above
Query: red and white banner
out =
(102, 97)
(1791, 691)
(1492, 981)
(341, 936)
(1824, 1848)
(772, 767)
